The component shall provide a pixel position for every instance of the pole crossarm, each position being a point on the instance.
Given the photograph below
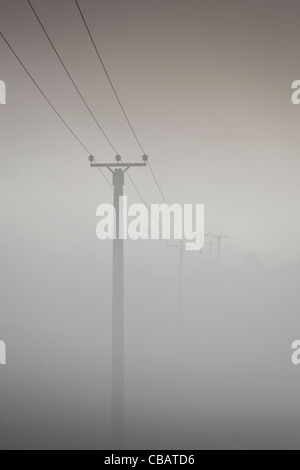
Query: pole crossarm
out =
(117, 165)
(180, 245)
(219, 236)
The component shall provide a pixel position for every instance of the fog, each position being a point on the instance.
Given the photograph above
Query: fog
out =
(208, 88)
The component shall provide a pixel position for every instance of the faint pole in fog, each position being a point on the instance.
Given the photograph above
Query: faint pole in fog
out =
(219, 239)
(211, 243)
(118, 171)
(201, 251)
(181, 250)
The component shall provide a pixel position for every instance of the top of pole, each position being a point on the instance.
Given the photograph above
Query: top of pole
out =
(118, 164)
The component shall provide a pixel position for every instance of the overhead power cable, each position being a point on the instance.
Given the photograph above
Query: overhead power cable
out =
(118, 98)
(138, 191)
(108, 77)
(72, 80)
(157, 183)
(49, 102)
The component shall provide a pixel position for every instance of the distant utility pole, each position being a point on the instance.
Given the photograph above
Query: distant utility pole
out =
(219, 241)
(211, 244)
(181, 250)
(201, 251)
(118, 170)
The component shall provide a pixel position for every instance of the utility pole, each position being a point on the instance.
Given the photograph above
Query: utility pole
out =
(118, 171)
(181, 250)
(201, 251)
(210, 244)
(219, 241)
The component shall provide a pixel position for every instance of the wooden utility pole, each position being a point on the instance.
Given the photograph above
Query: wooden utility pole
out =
(118, 171)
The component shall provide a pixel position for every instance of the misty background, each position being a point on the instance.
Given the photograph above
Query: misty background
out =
(207, 85)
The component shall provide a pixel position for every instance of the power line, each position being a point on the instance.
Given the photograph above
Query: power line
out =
(116, 95)
(157, 183)
(118, 99)
(70, 77)
(138, 191)
(108, 77)
(41, 91)
(48, 101)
